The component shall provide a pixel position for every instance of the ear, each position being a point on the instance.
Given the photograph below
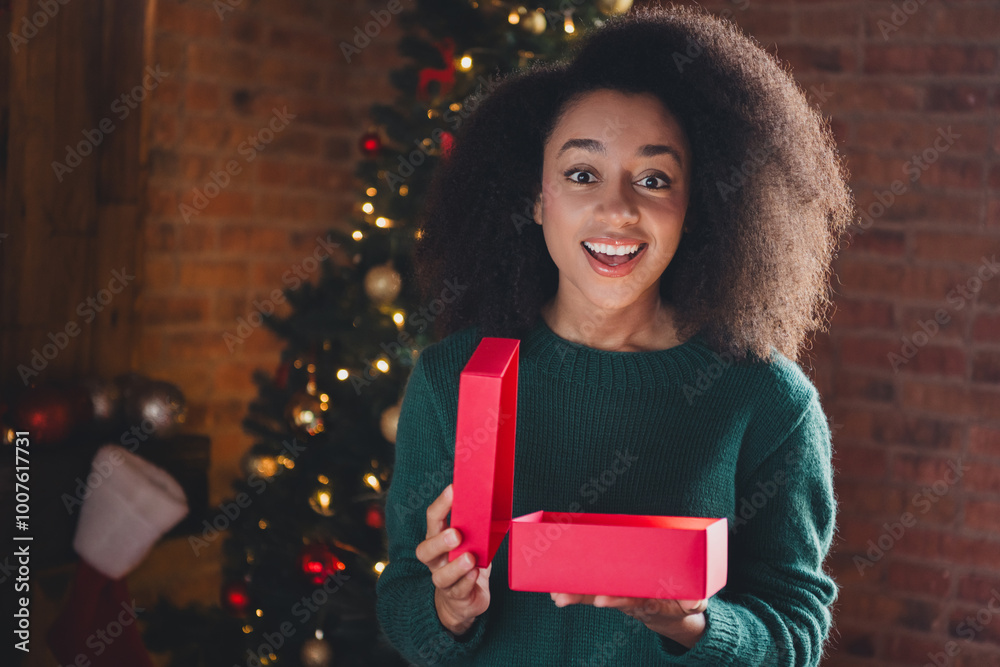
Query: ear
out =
(537, 210)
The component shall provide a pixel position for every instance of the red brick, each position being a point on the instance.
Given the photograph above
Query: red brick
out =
(201, 96)
(860, 462)
(158, 273)
(186, 19)
(957, 97)
(243, 238)
(194, 346)
(966, 22)
(951, 399)
(280, 207)
(982, 477)
(864, 386)
(928, 470)
(840, 22)
(982, 515)
(873, 502)
(986, 367)
(964, 619)
(931, 359)
(950, 323)
(915, 578)
(244, 29)
(878, 242)
(861, 351)
(938, 59)
(174, 309)
(212, 274)
(850, 94)
(862, 314)
(984, 441)
(211, 61)
(907, 136)
(315, 45)
(977, 587)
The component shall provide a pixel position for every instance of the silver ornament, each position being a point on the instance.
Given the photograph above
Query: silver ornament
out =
(156, 405)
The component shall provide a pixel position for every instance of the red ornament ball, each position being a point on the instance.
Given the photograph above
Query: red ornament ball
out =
(236, 597)
(370, 144)
(318, 562)
(447, 143)
(51, 414)
(375, 517)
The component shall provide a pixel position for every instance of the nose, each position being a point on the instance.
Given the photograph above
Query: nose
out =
(616, 206)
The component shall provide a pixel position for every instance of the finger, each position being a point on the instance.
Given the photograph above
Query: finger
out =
(438, 510)
(693, 606)
(446, 576)
(431, 551)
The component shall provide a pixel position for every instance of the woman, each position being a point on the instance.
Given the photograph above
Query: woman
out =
(655, 220)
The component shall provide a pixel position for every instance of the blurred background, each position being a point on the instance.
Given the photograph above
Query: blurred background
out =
(208, 214)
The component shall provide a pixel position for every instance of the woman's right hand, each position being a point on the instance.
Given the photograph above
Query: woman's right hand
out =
(461, 590)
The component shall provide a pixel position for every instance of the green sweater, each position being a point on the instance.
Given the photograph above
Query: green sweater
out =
(676, 432)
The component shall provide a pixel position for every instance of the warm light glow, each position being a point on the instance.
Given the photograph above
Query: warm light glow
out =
(367, 207)
(311, 368)
(371, 192)
(262, 523)
(379, 566)
(403, 190)
(382, 365)
(419, 233)
(568, 24)
(324, 398)
(324, 499)
(324, 406)
(397, 317)
(381, 222)
(260, 612)
(342, 374)
(357, 235)
(514, 18)
(247, 629)
(322, 479)
(372, 481)
(454, 106)
(465, 64)
(298, 363)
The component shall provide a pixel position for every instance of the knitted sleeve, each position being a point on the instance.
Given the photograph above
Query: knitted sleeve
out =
(404, 592)
(775, 607)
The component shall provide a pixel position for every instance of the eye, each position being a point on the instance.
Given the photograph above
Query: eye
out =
(568, 174)
(656, 177)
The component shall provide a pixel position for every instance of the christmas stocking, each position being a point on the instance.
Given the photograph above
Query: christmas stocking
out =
(132, 503)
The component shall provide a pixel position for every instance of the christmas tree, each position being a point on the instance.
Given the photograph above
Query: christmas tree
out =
(305, 541)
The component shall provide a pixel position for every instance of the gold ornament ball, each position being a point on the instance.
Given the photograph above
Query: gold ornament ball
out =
(321, 500)
(389, 421)
(534, 22)
(382, 283)
(305, 413)
(316, 653)
(610, 7)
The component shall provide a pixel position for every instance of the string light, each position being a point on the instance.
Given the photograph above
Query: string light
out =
(371, 192)
(372, 481)
(381, 222)
(342, 374)
(379, 567)
(322, 479)
(465, 64)
(357, 235)
(367, 207)
(568, 23)
(403, 190)
(514, 18)
(382, 365)
(398, 318)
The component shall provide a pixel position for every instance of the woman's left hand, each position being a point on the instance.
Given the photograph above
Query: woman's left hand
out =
(681, 620)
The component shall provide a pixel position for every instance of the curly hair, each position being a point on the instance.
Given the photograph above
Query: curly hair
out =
(768, 203)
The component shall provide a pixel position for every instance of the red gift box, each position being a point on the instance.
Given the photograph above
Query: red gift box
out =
(627, 555)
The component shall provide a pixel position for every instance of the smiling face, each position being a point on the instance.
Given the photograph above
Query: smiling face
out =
(615, 179)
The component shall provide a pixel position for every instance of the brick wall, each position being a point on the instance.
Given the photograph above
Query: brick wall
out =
(927, 87)
(282, 182)
(260, 187)
(910, 370)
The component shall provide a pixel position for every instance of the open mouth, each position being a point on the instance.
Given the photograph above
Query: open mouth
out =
(614, 260)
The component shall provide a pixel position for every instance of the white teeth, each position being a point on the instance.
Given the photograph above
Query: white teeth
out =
(610, 249)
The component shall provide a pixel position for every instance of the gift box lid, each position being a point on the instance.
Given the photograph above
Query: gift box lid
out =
(482, 502)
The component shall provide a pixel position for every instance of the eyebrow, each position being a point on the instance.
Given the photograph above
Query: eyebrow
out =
(647, 150)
